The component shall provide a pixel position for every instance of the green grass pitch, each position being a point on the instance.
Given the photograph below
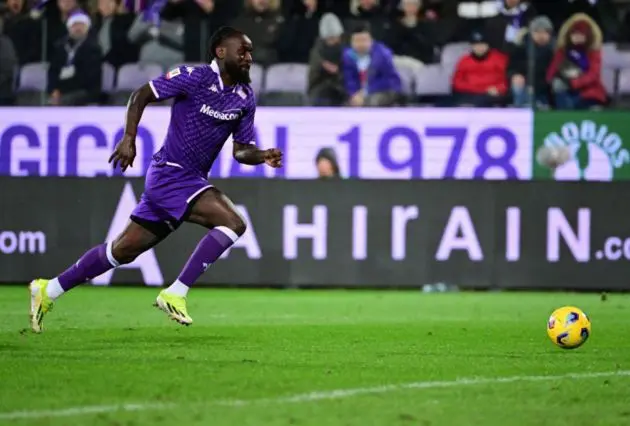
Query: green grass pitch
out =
(318, 358)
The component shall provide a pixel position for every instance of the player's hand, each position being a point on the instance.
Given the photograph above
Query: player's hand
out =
(125, 153)
(273, 158)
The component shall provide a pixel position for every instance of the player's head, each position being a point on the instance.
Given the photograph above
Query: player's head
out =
(361, 38)
(232, 49)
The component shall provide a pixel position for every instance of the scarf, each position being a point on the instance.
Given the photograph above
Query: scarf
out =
(363, 64)
(579, 57)
(515, 14)
(152, 12)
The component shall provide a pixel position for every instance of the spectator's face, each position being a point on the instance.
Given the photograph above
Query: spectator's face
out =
(325, 168)
(512, 3)
(410, 7)
(310, 4)
(367, 4)
(15, 6)
(480, 49)
(541, 37)
(106, 7)
(78, 30)
(260, 5)
(66, 6)
(361, 42)
(578, 38)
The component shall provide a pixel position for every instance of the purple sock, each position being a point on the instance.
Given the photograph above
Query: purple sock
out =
(93, 263)
(207, 252)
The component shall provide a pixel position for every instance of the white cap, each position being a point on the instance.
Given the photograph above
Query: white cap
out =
(78, 18)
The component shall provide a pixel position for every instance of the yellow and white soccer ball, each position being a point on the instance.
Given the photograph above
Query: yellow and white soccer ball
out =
(569, 327)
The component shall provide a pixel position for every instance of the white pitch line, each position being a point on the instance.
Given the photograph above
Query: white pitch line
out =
(306, 397)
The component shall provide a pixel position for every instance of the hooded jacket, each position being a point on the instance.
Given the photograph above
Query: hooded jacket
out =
(589, 83)
(476, 75)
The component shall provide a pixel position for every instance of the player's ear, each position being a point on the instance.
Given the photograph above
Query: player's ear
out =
(220, 52)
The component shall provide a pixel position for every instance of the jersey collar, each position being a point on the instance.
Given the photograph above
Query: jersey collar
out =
(215, 67)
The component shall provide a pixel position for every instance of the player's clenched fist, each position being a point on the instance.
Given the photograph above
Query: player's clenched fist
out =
(125, 153)
(273, 157)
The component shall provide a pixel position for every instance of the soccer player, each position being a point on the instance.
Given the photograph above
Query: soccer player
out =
(212, 102)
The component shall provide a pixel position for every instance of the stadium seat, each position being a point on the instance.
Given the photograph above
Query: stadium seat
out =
(433, 80)
(257, 74)
(130, 77)
(624, 82)
(451, 54)
(407, 74)
(611, 57)
(109, 75)
(608, 79)
(32, 84)
(286, 85)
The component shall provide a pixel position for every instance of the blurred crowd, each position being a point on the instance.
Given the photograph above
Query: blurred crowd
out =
(541, 53)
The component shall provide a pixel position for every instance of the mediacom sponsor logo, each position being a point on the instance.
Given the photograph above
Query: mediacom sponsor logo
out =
(22, 242)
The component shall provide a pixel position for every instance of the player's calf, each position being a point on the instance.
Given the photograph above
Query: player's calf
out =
(215, 211)
(132, 242)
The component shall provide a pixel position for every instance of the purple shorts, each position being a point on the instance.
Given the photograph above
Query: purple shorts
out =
(168, 192)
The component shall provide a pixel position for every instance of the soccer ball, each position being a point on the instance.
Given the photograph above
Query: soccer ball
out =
(553, 156)
(568, 327)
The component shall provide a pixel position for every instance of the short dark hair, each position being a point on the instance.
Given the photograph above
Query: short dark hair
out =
(219, 37)
(360, 27)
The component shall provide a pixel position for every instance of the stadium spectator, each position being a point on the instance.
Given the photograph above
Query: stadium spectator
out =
(56, 14)
(480, 77)
(75, 73)
(411, 36)
(604, 12)
(325, 80)
(368, 69)
(541, 36)
(372, 12)
(201, 18)
(160, 40)
(8, 64)
(24, 32)
(575, 72)
(299, 32)
(111, 27)
(327, 164)
(262, 22)
(510, 24)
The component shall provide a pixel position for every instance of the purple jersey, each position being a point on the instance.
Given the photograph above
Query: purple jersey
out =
(204, 115)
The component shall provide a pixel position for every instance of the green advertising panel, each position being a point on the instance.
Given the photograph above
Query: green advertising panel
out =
(599, 142)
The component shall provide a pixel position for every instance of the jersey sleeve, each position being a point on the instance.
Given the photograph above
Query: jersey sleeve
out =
(244, 132)
(179, 81)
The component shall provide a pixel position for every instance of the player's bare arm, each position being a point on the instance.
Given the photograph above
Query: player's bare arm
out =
(125, 151)
(249, 154)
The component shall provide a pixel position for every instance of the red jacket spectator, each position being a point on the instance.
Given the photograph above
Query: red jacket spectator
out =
(477, 75)
(587, 60)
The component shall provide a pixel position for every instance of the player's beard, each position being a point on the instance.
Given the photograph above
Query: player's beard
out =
(239, 74)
